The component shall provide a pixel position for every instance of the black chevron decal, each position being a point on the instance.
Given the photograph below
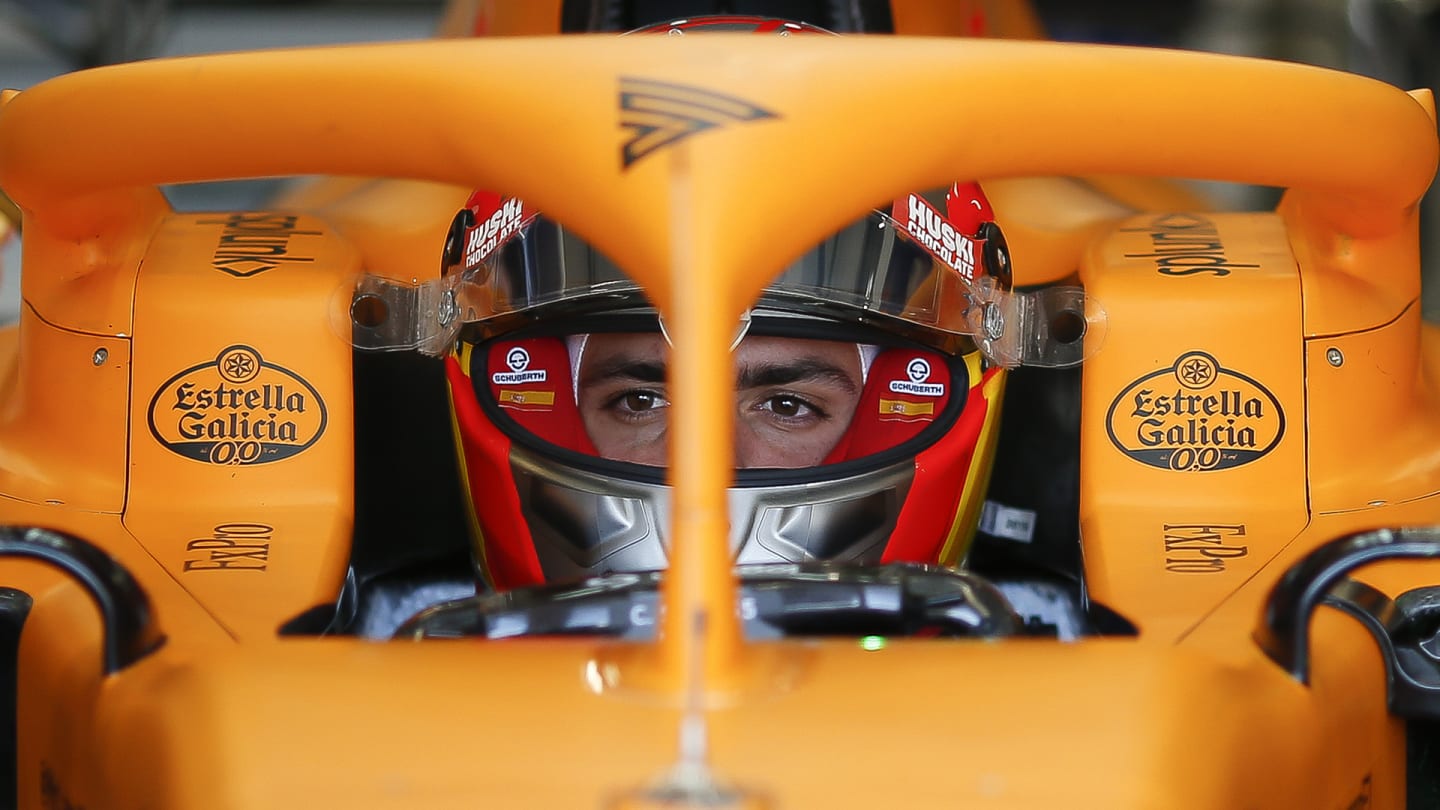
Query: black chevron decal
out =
(658, 114)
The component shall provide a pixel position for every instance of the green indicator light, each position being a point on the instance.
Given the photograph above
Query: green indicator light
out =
(872, 643)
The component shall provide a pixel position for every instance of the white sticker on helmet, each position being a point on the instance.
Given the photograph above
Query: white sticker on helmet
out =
(917, 371)
(520, 372)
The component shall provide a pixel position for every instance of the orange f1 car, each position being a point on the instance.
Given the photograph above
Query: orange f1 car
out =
(205, 481)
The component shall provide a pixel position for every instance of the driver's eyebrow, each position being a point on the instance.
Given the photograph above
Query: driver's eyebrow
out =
(627, 367)
(801, 369)
(630, 367)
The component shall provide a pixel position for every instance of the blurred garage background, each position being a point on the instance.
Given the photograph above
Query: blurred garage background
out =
(1392, 40)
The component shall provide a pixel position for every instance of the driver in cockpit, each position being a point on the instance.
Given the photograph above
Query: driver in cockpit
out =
(867, 385)
(865, 423)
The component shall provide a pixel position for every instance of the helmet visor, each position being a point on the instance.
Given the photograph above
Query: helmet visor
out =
(907, 268)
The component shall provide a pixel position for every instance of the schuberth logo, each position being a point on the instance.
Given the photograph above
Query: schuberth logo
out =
(250, 244)
(1195, 416)
(918, 371)
(1185, 244)
(237, 409)
(518, 361)
(659, 114)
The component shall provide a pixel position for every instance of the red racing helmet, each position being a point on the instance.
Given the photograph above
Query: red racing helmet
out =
(900, 477)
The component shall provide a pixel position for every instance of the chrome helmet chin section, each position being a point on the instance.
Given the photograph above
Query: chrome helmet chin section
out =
(584, 523)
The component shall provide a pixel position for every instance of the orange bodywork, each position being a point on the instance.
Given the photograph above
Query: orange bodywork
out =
(1292, 334)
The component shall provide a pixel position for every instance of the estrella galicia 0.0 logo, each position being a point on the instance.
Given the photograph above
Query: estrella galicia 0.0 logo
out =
(237, 409)
(1195, 416)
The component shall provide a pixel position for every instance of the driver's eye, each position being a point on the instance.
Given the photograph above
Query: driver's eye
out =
(786, 406)
(640, 401)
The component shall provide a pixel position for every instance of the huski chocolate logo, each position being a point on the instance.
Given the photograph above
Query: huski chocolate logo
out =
(237, 409)
(1195, 416)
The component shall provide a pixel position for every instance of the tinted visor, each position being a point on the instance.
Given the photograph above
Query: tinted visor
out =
(869, 266)
(929, 284)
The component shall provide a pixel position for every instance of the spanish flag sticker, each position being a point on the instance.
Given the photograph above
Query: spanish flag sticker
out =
(527, 400)
(905, 410)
